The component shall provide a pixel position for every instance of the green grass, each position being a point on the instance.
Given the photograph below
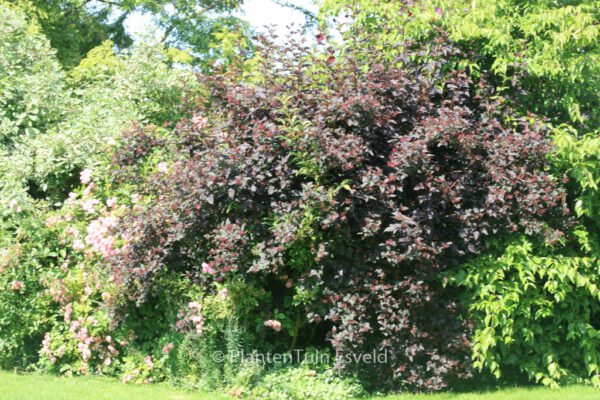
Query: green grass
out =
(534, 393)
(44, 387)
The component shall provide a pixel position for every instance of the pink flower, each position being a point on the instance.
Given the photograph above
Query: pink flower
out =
(207, 269)
(71, 231)
(86, 353)
(223, 294)
(200, 122)
(167, 348)
(17, 286)
(195, 304)
(78, 245)
(51, 221)
(162, 167)
(85, 176)
(112, 350)
(14, 205)
(149, 363)
(274, 324)
(99, 235)
(88, 206)
(68, 312)
(438, 11)
(112, 202)
(88, 189)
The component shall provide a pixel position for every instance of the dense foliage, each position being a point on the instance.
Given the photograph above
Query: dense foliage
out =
(531, 301)
(348, 188)
(74, 27)
(543, 54)
(420, 184)
(51, 131)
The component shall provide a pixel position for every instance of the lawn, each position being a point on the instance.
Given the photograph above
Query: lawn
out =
(566, 393)
(42, 387)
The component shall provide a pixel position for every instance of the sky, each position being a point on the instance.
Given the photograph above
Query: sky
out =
(257, 12)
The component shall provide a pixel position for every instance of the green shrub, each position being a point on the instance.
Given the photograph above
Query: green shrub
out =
(538, 314)
(32, 85)
(300, 383)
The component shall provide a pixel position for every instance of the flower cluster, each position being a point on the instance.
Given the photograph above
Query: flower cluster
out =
(190, 319)
(273, 324)
(99, 235)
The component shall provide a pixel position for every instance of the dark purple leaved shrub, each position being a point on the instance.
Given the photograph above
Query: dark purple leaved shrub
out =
(352, 181)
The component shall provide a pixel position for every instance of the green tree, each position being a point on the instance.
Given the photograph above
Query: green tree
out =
(74, 27)
(32, 84)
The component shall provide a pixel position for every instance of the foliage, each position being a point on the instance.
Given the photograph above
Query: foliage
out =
(54, 128)
(347, 191)
(32, 84)
(538, 314)
(74, 27)
(301, 382)
(544, 54)
(25, 307)
(535, 304)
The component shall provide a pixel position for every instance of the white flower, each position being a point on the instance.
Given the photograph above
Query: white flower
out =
(85, 176)
(162, 167)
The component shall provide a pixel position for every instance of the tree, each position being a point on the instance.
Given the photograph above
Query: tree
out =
(74, 27)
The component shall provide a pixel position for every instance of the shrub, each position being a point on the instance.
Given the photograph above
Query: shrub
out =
(534, 303)
(32, 87)
(536, 313)
(301, 382)
(544, 56)
(346, 189)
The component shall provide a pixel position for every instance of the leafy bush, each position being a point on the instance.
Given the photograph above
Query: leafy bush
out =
(32, 85)
(346, 190)
(534, 313)
(534, 304)
(54, 127)
(301, 382)
(26, 310)
(544, 56)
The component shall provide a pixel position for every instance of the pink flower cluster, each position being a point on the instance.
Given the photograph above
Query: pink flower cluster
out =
(89, 206)
(167, 348)
(199, 122)
(99, 236)
(85, 176)
(207, 269)
(17, 286)
(52, 355)
(192, 319)
(274, 324)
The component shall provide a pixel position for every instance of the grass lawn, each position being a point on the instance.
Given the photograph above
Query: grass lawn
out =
(565, 393)
(42, 387)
